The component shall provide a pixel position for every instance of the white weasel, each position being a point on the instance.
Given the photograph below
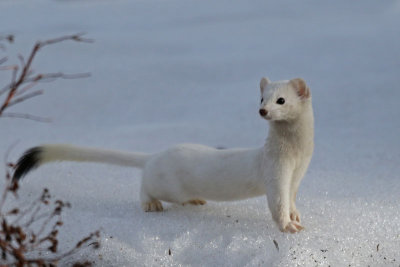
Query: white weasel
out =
(190, 173)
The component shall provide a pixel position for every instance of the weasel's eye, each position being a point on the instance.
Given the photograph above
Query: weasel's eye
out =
(262, 99)
(280, 101)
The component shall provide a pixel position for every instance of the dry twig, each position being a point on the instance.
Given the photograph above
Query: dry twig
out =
(21, 244)
(25, 76)
(26, 231)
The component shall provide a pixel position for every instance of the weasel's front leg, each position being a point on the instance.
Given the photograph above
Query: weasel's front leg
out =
(279, 201)
(294, 213)
(295, 183)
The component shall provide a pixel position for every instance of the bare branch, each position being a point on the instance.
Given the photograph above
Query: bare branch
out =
(25, 116)
(26, 88)
(47, 77)
(21, 60)
(8, 178)
(14, 74)
(75, 37)
(25, 97)
(11, 67)
(56, 75)
(23, 77)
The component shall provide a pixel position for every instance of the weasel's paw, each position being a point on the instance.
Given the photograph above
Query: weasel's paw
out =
(292, 227)
(295, 216)
(154, 205)
(195, 202)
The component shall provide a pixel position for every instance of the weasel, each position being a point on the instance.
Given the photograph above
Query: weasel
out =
(191, 173)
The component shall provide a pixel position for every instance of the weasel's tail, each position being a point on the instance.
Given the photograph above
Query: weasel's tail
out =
(40, 155)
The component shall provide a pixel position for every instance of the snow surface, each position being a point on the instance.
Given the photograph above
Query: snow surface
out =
(167, 72)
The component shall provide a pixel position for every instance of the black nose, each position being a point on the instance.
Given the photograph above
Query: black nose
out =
(263, 112)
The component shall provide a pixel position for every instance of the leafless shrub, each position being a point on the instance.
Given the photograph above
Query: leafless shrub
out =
(23, 78)
(29, 233)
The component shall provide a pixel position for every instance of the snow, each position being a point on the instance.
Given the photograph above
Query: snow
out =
(167, 72)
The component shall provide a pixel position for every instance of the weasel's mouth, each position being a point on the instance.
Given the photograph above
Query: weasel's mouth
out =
(266, 117)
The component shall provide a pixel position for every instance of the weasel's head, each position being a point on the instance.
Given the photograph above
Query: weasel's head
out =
(283, 100)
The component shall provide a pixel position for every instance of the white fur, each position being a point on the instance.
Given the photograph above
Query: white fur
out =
(190, 173)
(59, 152)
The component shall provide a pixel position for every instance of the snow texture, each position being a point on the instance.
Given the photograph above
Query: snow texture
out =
(167, 72)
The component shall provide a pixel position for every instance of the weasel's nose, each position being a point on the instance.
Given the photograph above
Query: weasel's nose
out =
(263, 112)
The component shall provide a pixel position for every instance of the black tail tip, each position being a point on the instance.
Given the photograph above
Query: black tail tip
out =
(29, 161)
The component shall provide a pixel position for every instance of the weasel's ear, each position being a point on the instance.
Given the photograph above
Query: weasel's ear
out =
(264, 82)
(301, 87)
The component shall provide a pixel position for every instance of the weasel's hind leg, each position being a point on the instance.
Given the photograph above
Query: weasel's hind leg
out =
(154, 205)
(149, 203)
(195, 202)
